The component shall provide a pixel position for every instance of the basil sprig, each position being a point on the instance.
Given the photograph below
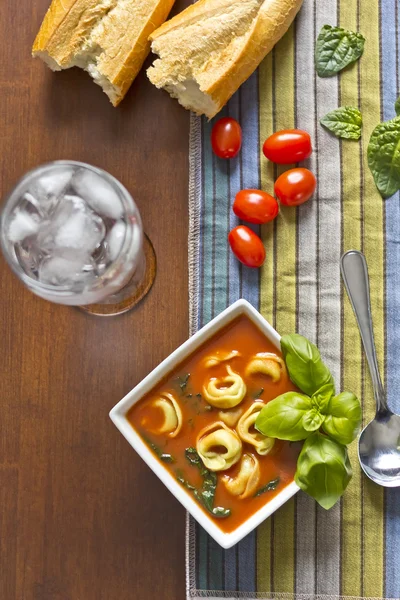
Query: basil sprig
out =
(327, 422)
(336, 48)
(344, 122)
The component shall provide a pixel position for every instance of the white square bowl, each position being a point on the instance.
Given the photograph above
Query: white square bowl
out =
(119, 412)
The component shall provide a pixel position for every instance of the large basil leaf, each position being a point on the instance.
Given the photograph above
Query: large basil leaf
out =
(384, 157)
(323, 469)
(335, 49)
(344, 122)
(304, 364)
(282, 418)
(343, 420)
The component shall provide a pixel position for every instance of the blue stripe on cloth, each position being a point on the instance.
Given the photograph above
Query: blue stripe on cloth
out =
(390, 90)
(207, 227)
(221, 249)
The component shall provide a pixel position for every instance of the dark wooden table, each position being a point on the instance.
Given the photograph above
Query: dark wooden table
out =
(81, 516)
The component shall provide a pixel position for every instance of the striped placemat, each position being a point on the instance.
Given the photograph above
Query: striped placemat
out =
(304, 552)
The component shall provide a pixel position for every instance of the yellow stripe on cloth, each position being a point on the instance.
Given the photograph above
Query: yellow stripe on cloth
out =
(351, 560)
(373, 244)
(278, 293)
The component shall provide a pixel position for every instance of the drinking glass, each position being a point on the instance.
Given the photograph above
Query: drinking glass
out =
(73, 235)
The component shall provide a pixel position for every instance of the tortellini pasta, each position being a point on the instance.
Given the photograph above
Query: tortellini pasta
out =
(249, 434)
(246, 481)
(172, 423)
(225, 392)
(218, 446)
(230, 417)
(219, 357)
(266, 363)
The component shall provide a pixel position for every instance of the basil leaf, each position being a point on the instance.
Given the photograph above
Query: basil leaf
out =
(321, 398)
(397, 106)
(271, 485)
(384, 157)
(206, 495)
(336, 48)
(304, 364)
(344, 418)
(344, 122)
(165, 457)
(323, 469)
(282, 418)
(312, 420)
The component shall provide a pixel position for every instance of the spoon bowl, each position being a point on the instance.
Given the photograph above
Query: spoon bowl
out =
(379, 441)
(379, 449)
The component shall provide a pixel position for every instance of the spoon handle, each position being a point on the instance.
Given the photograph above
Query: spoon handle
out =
(355, 276)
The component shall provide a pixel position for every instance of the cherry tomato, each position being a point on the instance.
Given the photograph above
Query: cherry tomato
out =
(295, 186)
(255, 206)
(226, 138)
(247, 246)
(288, 146)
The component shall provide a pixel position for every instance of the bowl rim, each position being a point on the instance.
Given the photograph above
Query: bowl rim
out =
(119, 411)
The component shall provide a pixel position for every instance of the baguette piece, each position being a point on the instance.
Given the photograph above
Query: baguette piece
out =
(107, 38)
(208, 50)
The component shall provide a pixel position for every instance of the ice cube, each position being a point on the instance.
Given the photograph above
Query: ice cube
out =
(21, 226)
(48, 189)
(98, 193)
(54, 182)
(66, 270)
(115, 239)
(30, 204)
(72, 225)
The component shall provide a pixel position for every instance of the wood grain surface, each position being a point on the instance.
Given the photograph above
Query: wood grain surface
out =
(81, 516)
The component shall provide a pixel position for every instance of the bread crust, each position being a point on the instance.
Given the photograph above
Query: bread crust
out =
(64, 27)
(125, 75)
(273, 19)
(68, 25)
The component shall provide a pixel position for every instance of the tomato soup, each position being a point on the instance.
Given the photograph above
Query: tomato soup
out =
(199, 422)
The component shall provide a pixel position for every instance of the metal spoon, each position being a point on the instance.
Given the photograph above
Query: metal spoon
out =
(379, 441)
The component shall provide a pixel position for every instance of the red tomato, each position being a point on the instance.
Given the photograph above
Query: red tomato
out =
(226, 138)
(288, 146)
(255, 206)
(295, 186)
(247, 246)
